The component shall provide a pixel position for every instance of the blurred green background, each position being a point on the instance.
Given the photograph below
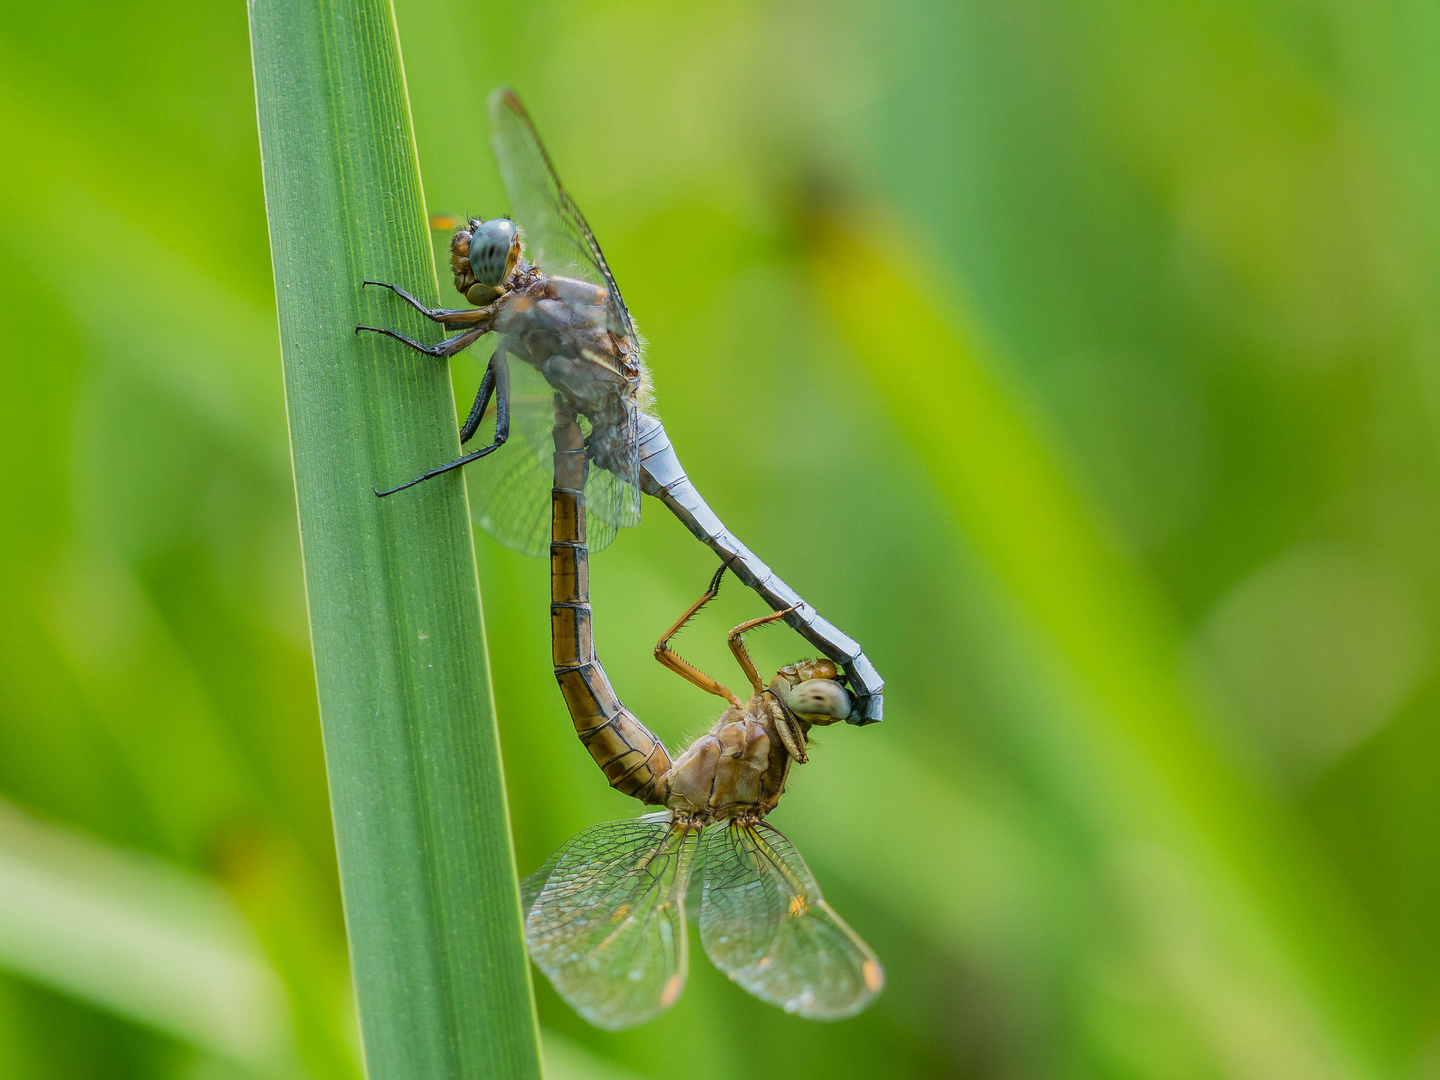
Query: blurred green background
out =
(1080, 359)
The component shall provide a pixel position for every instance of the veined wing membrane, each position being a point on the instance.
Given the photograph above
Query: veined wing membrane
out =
(607, 925)
(612, 481)
(559, 241)
(557, 237)
(765, 924)
(510, 494)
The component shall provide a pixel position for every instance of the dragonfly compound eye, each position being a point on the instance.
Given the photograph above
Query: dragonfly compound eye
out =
(494, 249)
(821, 701)
(816, 669)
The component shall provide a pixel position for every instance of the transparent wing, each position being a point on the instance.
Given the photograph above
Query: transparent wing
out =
(510, 490)
(559, 241)
(612, 481)
(533, 884)
(607, 922)
(556, 236)
(764, 923)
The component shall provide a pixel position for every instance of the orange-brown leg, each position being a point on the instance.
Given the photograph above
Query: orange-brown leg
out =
(682, 667)
(737, 644)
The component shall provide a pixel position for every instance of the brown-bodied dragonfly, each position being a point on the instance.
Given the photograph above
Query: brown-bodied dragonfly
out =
(544, 290)
(605, 916)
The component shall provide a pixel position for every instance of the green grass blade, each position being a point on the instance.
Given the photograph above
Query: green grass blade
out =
(426, 867)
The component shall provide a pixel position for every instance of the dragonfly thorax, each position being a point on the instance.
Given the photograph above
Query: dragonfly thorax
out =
(560, 327)
(738, 769)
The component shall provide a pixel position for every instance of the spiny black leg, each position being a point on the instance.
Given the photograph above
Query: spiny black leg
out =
(449, 347)
(715, 581)
(440, 315)
(482, 402)
(502, 431)
(500, 362)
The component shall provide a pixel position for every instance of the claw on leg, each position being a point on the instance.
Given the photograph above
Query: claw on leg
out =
(497, 378)
(447, 348)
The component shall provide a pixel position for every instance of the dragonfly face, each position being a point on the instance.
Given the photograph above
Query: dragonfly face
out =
(813, 692)
(482, 256)
(494, 250)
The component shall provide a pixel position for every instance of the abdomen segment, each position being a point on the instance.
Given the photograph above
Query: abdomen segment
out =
(632, 758)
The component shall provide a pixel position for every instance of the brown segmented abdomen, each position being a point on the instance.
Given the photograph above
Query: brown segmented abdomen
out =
(632, 758)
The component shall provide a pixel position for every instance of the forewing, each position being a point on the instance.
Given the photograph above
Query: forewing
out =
(765, 924)
(607, 924)
(557, 238)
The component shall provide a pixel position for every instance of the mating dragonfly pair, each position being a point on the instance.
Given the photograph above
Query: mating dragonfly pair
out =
(605, 915)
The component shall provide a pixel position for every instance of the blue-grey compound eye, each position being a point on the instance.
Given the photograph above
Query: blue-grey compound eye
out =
(490, 246)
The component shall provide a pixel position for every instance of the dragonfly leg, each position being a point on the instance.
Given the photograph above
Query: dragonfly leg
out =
(449, 316)
(501, 382)
(790, 732)
(737, 644)
(482, 402)
(449, 347)
(682, 667)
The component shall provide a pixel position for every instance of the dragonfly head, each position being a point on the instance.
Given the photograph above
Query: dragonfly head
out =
(482, 255)
(812, 690)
